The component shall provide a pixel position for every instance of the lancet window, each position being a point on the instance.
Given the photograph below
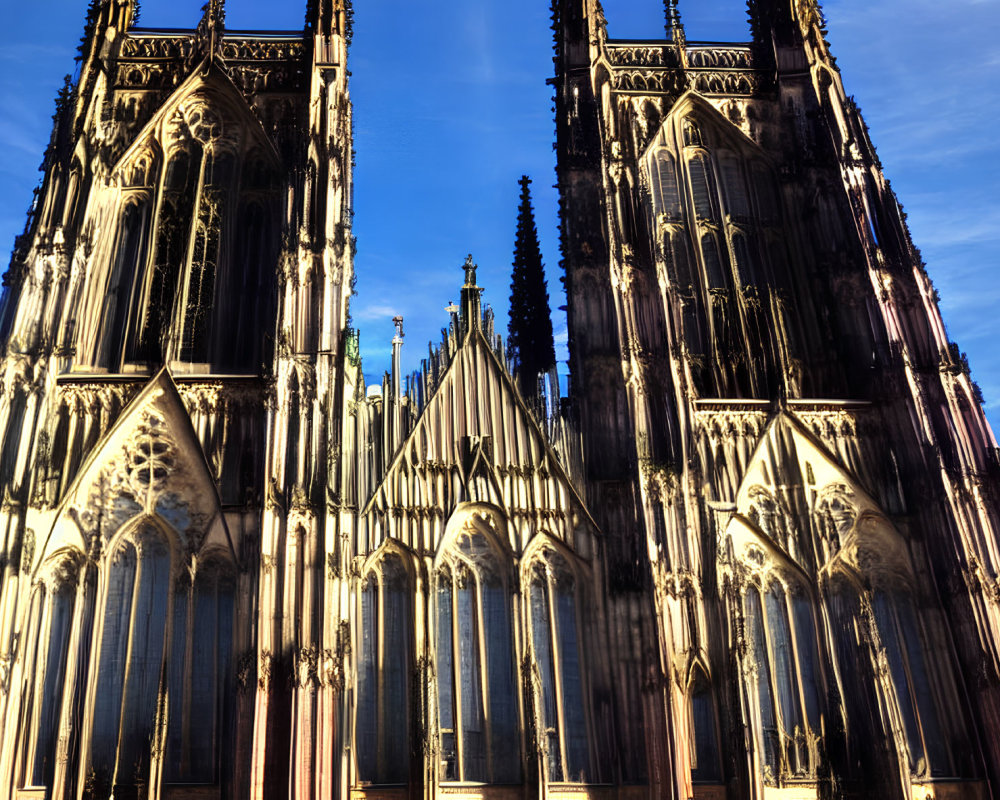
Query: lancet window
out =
(477, 693)
(703, 737)
(929, 709)
(199, 672)
(556, 646)
(384, 661)
(52, 608)
(781, 637)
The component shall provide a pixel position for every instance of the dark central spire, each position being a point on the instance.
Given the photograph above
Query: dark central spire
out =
(530, 347)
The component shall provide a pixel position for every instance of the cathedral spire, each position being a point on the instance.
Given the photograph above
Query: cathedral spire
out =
(530, 345)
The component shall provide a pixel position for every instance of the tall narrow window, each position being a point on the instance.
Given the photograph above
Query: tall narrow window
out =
(714, 273)
(746, 266)
(131, 661)
(199, 673)
(926, 738)
(555, 641)
(477, 706)
(783, 646)
(12, 437)
(761, 677)
(242, 344)
(174, 219)
(668, 200)
(126, 273)
(382, 729)
(54, 614)
(703, 188)
(737, 200)
(199, 293)
(704, 740)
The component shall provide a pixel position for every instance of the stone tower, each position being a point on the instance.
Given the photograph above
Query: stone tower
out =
(172, 380)
(753, 554)
(784, 451)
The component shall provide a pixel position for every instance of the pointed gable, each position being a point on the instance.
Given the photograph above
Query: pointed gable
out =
(150, 464)
(476, 441)
(207, 106)
(799, 505)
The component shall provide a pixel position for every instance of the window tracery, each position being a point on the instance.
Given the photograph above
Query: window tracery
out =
(385, 656)
(730, 222)
(784, 677)
(477, 693)
(158, 627)
(556, 643)
(52, 609)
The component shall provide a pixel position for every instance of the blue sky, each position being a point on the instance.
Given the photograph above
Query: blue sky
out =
(451, 107)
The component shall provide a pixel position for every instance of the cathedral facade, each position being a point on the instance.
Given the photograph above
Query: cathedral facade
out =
(753, 554)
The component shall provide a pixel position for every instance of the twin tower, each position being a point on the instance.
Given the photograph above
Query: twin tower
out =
(753, 554)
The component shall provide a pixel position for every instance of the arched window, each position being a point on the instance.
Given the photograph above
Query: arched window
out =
(131, 651)
(52, 611)
(477, 694)
(918, 693)
(782, 638)
(164, 646)
(556, 644)
(703, 190)
(12, 437)
(668, 199)
(199, 672)
(746, 263)
(704, 737)
(382, 729)
(173, 225)
(250, 296)
(199, 293)
(692, 133)
(126, 271)
(714, 273)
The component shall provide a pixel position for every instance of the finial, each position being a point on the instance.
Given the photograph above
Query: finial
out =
(470, 271)
(398, 322)
(675, 28)
(213, 23)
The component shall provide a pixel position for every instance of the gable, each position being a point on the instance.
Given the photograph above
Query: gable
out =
(476, 441)
(207, 107)
(817, 516)
(150, 465)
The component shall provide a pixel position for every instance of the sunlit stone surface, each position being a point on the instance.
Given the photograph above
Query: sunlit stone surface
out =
(752, 554)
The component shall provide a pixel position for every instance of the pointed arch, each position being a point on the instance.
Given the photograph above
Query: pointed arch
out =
(150, 464)
(703, 724)
(385, 647)
(556, 597)
(478, 707)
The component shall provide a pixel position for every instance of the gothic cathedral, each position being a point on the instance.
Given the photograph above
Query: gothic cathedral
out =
(754, 553)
